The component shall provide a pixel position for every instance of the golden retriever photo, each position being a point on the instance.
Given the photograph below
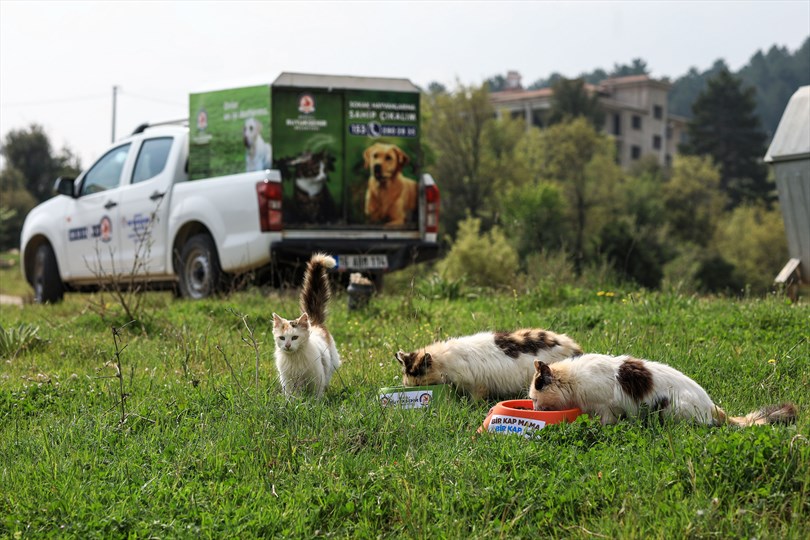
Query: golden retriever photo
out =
(390, 196)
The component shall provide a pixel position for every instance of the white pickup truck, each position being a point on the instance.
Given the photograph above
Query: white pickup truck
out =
(134, 217)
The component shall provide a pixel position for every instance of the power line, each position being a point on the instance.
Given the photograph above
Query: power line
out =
(148, 98)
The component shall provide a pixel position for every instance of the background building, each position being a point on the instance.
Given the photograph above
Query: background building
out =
(636, 114)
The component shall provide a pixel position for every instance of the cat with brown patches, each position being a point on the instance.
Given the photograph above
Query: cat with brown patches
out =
(615, 387)
(306, 355)
(487, 364)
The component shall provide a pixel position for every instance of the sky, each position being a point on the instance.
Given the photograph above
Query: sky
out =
(59, 61)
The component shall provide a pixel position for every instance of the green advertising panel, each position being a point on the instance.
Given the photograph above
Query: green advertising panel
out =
(308, 150)
(229, 132)
(382, 157)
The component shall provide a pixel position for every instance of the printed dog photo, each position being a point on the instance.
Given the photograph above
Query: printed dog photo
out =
(391, 197)
(258, 154)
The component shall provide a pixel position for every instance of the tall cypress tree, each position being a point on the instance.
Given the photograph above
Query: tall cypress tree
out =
(725, 126)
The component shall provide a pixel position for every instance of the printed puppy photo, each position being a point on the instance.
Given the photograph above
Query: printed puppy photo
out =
(258, 153)
(391, 197)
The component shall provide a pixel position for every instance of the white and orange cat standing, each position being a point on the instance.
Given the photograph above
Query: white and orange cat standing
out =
(615, 387)
(306, 355)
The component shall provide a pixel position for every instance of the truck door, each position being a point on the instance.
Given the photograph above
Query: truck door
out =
(92, 223)
(144, 208)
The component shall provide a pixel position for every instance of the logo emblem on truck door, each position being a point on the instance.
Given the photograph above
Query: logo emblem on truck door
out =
(103, 231)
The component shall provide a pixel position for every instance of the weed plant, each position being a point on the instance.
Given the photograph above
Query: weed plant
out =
(205, 449)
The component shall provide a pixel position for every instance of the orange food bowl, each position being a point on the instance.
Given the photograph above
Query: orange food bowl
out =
(517, 417)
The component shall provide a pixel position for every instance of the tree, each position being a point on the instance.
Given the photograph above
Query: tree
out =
(496, 83)
(686, 88)
(572, 100)
(436, 87)
(638, 67)
(776, 75)
(725, 127)
(582, 162)
(29, 151)
(693, 199)
(473, 153)
(15, 203)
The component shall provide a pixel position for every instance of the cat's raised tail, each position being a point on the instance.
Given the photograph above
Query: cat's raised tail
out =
(316, 292)
(785, 413)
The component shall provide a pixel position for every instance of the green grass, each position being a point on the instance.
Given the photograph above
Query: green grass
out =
(205, 453)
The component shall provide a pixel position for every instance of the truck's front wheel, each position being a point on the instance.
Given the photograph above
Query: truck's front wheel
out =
(200, 275)
(48, 286)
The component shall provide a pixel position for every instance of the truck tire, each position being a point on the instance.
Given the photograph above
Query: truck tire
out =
(48, 286)
(200, 275)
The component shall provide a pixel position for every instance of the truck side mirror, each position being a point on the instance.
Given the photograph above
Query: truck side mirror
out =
(64, 186)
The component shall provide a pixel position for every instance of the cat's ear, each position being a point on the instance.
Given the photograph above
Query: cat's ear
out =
(543, 377)
(427, 360)
(303, 320)
(400, 356)
(277, 321)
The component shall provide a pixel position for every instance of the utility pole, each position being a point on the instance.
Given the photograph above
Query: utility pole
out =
(115, 94)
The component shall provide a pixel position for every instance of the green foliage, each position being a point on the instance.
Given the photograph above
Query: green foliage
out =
(470, 150)
(486, 259)
(634, 251)
(532, 215)
(16, 203)
(581, 161)
(752, 238)
(571, 99)
(692, 199)
(18, 339)
(725, 127)
(29, 151)
(775, 75)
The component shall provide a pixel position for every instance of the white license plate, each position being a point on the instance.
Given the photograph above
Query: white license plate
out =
(363, 262)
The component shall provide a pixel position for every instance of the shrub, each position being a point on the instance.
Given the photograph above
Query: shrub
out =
(534, 217)
(479, 259)
(752, 238)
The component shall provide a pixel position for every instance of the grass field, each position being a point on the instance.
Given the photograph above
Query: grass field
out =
(207, 449)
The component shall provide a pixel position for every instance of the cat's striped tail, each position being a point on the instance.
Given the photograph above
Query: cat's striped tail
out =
(316, 292)
(785, 413)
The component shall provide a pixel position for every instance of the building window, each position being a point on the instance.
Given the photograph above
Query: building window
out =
(657, 142)
(635, 152)
(668, 160)
(617, 124)
(636, 121)
(658, 112)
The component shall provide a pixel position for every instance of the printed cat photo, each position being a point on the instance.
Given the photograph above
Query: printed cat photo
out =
(306, 355)
(616, 387)
(312, 201)
(488, 364)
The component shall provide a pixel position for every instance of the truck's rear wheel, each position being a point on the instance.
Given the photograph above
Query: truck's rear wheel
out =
(200, 275)
(48, 286)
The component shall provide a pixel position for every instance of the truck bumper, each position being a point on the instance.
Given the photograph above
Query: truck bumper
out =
(400, 253)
